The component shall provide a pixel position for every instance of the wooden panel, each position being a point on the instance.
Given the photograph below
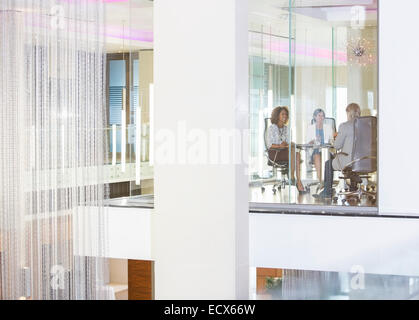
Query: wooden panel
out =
(140, 280)
(268, 272)
(262, 274)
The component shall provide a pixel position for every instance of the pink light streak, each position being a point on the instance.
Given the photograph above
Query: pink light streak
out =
(129, 34)
(118, 32)
(104, 1)
(283, 46)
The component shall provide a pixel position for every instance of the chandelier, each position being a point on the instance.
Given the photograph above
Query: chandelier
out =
(360, 51)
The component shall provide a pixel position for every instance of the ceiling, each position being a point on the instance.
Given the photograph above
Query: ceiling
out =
(335, 12)
(129, 25)
(312, 23)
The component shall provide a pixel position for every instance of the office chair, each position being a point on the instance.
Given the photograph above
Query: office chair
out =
(364, 159)
(281, 165)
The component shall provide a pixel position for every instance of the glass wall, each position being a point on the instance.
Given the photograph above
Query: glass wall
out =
(288, 284)
(271, 84)
(129, 86)
(316, 59)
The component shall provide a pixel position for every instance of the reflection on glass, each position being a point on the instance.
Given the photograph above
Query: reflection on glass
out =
(123, 138)
(113, 145)
(129, 53)
(269, 84)
(310, 57)
(288, 284)
(129, 120)
(137, 147)
(151, 95)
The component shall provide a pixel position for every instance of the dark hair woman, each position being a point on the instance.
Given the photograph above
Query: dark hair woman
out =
(278, 138)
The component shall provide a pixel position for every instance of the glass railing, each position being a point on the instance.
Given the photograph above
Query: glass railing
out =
(286, 284)
(128, 157)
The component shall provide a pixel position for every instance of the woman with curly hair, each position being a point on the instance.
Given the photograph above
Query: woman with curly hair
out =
(278, 140)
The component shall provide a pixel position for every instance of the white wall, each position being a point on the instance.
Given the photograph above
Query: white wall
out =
(378, 245)
(398, 107)
(324, 243)
(129, 232)
(200, 226)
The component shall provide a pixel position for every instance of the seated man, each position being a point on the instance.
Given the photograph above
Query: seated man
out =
(344, 143)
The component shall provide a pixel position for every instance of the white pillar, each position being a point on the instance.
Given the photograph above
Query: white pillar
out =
(398, 107)
(200, 226)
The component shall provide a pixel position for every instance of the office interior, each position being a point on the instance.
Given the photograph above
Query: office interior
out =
(323, 70)
(304, 55)
(307, 57)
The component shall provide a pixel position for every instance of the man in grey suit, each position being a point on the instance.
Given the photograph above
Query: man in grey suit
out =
(344, 143)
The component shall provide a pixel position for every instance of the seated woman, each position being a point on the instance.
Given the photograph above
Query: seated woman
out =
(278, 138)
(319, 133)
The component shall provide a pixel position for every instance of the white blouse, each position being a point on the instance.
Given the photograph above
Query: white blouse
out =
(277, 135)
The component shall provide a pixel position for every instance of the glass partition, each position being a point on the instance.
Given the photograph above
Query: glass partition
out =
(289, 284)
(270, 85)
(315, 62)
(129, 88)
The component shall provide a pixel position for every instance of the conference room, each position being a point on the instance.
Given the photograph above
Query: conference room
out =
(313, 59)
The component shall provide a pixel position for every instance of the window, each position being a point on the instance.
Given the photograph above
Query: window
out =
(313, 59)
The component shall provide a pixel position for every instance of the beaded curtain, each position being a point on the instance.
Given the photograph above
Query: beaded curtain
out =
(53, 220)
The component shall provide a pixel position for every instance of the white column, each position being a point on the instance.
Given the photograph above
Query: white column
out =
(200, 226)
(398, 107)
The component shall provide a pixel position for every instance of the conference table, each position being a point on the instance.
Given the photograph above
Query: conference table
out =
(325, 148)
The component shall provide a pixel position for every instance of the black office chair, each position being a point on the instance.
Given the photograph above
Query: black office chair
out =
(364, 159)
(281, 165)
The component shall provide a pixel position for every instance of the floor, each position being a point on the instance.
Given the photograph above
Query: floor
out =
(288, 194)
